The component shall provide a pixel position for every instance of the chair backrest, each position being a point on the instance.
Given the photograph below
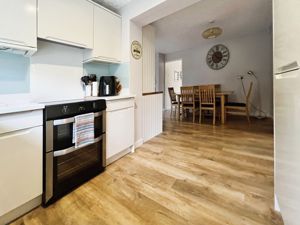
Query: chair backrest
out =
(172, 94)
(249, 93)
(187, 95)
(207, 94)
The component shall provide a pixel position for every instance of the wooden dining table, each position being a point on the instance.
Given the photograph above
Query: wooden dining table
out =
(222, 95)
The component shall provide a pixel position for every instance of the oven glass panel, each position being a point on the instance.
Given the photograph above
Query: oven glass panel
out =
(68, 166)
(62, 136)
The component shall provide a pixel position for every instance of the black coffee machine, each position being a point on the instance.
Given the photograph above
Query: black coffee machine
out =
(107, 86)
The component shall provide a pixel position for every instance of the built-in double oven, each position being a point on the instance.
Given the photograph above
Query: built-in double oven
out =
(67, 166)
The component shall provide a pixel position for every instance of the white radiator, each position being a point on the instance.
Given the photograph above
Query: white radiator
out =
(152, 116)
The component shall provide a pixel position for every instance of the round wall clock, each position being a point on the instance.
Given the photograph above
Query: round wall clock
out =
(136, 49)
(217, 57)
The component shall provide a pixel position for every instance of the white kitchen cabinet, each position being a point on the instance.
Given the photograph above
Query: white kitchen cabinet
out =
(68, 22)
(18, 25)
(107, 37)
(20, 159)
(119, 128)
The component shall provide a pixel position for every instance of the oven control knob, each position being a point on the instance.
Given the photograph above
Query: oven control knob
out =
(65, 109)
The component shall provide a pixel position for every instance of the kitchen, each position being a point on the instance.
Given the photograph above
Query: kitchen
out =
(50, 58)
(72, 103)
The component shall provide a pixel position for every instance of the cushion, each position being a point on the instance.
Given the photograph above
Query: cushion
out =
(238, 104)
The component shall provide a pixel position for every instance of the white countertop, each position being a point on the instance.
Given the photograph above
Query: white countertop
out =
(20, 107)
(9, 105)
(111, 98)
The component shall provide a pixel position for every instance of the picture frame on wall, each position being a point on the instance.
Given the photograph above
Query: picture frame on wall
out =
(177, 75)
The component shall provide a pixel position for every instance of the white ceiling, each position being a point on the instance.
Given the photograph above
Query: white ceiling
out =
(182, 30)
(114, 5)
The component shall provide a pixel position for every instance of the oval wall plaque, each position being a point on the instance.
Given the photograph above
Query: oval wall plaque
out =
(136, 49)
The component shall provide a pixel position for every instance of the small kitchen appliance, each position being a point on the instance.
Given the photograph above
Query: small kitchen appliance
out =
(107, 86)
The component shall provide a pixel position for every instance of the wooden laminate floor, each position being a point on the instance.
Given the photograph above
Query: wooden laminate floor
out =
(190, 174)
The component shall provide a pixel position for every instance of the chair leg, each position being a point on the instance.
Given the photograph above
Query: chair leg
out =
(194, 115)
(214, 117)
(175, 111)
(200, 116)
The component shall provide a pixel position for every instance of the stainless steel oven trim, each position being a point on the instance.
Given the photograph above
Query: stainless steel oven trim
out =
(71, 119)
(49, 176)
(73, 149)
(104, 121)
(49, 137)
(104, 151)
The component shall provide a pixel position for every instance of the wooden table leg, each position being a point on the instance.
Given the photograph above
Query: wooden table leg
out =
(223, 109)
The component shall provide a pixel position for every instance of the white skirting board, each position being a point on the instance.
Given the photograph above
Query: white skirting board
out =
(119, 155)
(152, 116)
(276, 204)
(138, 143)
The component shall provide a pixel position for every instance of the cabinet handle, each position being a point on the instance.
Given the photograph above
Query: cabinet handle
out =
(15, 134)
(66, 41)
(11, 41)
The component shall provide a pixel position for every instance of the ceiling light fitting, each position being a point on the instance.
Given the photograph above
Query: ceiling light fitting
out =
(212, 32)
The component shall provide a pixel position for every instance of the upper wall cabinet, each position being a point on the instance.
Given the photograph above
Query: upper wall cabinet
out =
(68, 22)
(107, 37)
(18, 26)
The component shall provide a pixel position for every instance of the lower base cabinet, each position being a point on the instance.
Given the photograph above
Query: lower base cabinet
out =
(119, 128)
(20, 160)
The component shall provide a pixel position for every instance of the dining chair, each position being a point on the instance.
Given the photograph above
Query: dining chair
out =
(207, 97)
(174, 101)
(188, 100)
(240, 108)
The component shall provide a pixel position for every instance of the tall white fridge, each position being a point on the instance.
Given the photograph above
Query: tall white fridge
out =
(286, 41)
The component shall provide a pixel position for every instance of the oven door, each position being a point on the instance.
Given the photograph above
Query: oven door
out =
(62, 138)
(72, 167)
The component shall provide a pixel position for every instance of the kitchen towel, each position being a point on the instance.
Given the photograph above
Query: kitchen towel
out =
(83, 130)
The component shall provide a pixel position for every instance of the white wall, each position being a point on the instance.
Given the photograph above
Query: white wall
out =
(136, 83)
(55, 72)
(170, 81)
(148, 59)
(253, 52)
(142, 13)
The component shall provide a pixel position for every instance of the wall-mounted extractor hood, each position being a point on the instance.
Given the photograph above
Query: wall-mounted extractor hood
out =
(17, 49)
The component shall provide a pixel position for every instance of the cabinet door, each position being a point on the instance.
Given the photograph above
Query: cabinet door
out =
(18, 22)
(107, 35)
(286, 32)
(119, 131)
(21, 158)
(67, 22)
